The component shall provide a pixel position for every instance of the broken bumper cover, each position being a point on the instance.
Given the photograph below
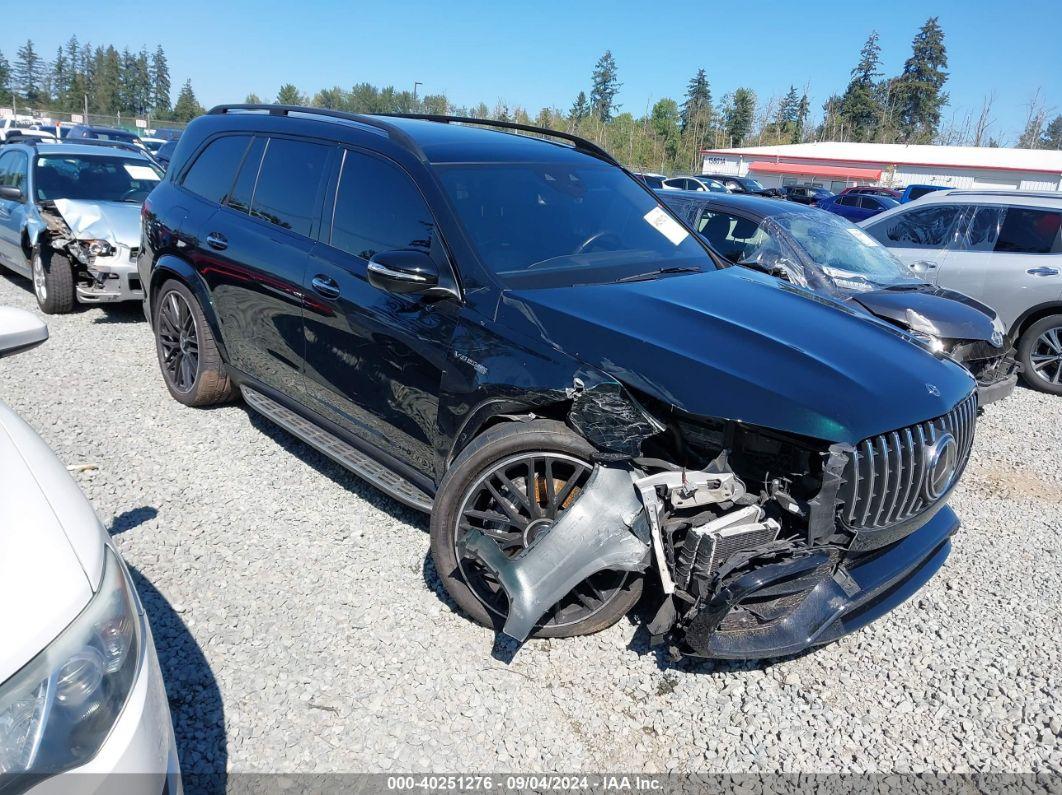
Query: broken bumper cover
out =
(990, 393)
(113, 279)
(860, 592)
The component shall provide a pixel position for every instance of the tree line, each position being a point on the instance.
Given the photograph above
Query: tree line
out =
(82, 78)
(667, 135)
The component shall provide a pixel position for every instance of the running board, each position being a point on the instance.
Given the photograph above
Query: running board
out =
(365, 467)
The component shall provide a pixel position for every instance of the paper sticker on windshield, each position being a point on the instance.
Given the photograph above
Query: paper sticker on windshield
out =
(666, 225)
(141, 172)
(862, 236)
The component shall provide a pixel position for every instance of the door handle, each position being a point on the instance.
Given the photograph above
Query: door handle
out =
(1042, 271)
(923, 265)
(217, 241)
(325, 286)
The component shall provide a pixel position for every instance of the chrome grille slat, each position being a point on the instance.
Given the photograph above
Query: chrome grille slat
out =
(885, 473)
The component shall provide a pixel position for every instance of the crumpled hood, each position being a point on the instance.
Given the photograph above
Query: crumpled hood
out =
(740, 345)
(954, 316)
(116, 222)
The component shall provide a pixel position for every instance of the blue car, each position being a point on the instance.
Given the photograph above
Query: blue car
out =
(857, 206)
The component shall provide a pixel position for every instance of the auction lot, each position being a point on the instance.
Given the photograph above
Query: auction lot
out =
(301, 627)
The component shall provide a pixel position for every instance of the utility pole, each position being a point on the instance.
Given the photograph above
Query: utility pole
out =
(415, 84)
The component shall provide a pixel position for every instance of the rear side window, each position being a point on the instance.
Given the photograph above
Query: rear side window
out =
(378, 208)
(212, 173)
(1027, 231)
(926, 227)
(288, 184)
(242, 192)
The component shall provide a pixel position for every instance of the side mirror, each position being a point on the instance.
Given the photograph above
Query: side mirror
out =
(19, 331)
(10, 193)
(403, 271)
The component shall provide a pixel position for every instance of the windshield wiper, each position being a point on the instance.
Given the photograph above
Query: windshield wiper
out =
(638, 277)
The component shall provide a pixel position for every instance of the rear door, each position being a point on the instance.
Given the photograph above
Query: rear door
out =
(374, 360)
(921, 236)
(1009, 258)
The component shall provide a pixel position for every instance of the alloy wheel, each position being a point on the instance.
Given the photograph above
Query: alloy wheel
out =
(514, 503)
(179, 340)
(40, 283)
(1046, 356)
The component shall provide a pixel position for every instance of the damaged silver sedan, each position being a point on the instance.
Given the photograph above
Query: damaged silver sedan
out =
(70, 221)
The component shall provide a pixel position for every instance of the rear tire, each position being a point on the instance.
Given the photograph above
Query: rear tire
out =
(53, 282)
(189, 358)
(1040, 353)
(537, 440)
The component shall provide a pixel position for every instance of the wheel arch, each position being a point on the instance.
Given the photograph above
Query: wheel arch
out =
(169, 267)
(1034, 314)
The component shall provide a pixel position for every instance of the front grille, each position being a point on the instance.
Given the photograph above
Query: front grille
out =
(885, 475)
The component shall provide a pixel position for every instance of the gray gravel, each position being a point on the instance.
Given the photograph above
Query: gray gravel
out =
(301, 626)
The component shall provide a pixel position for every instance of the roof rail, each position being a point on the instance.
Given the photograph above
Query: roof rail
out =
(1034, 194)
(579, 144)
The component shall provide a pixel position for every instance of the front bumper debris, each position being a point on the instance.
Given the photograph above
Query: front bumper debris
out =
(838, 601)
(112, 279)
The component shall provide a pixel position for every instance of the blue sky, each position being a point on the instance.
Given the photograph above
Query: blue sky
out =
(542, 53)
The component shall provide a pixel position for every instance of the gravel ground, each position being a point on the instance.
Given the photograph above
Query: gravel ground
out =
(301, 627)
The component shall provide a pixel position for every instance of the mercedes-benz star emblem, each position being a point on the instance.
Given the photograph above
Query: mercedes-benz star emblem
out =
(997, 339)
(942, 458)
(932, 389)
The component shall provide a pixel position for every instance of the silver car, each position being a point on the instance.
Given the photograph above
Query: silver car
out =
(1003, 248)
(70, 220)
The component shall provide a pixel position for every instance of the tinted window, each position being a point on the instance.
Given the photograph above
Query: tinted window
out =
(288, 184)
(1030, 231)
(926, 227)
(13, 168)
(378, 209)
(212, 172)
(848, 201)
(241, 193)
(653, 182)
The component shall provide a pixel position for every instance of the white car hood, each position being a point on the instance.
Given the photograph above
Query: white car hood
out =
(51, 545)
(116, 222)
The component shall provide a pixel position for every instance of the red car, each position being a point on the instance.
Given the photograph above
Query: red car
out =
(872, 190)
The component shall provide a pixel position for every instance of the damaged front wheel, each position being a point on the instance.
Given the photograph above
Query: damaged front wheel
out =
(511, 485)
(53, 282)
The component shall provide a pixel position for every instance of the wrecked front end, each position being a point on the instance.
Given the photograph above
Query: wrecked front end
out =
(102, 241)
(763, 543)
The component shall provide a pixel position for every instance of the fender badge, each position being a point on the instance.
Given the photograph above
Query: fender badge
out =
(932, 389)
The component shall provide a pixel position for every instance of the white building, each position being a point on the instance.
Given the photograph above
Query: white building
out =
(837, 165)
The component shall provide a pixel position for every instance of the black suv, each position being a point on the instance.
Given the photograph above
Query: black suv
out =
(510, 331)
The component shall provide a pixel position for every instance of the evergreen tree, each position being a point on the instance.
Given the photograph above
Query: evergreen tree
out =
(665, 122)
(187, 106)
(61, 74)
(160, 81)
(605, 86)
(803, 108)
(5, 77)
(860, 109)
(918, 91)
(106, 80)
(1052, 135)
(740, 108)
(697, 109)
(289, 95)
(580, 109)
(28, 73)
(252, 99)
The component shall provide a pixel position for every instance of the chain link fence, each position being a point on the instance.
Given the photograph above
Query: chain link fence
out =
(141, 125)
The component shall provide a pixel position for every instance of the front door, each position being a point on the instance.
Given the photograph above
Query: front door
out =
(14, 169)
(374, 360)
(921, 237)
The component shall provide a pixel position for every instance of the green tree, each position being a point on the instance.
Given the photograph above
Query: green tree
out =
(252, 99)
(740, 108)
(860, 110)
(289, 95)
(604, 87)
(160, 81)
(28, 73)
(580, 109)
(72, 96)
(334, 98)
(697, 109)
(802, 111)
(187, 106)
(106, 80)
(1052, 135)
(919, 90)
(60, 75)
(665, 121)
(435, 103)
(5, 77)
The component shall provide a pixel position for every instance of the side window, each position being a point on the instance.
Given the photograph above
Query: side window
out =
(982, 230)
(13, 170)
(243, 190)
(926, 227)
(735, 238)
(212, 172)
(378, 208)
(848, 200)
(288, 184)
(7, 160)
(1027, 231)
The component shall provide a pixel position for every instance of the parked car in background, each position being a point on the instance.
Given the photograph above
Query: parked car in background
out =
(856, 206)
(11, 130)
(153, 144)
(872, 190)
(654, 181)
(695, 184)
(912, 192)
(1000, 247)
(85, 131)
(519, 338)
(57, 131)
(829, 255)
(81, 691)
(772, 193)
(737, 184)
(805, 194)
(164, 153)
(70, 220)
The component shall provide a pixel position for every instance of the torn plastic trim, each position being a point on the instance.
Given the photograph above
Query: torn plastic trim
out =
(606, 528)
(609, 418)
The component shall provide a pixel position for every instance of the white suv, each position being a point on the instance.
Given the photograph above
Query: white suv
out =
(1003, 248)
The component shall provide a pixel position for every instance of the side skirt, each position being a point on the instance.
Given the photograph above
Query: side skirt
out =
(340, 451)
